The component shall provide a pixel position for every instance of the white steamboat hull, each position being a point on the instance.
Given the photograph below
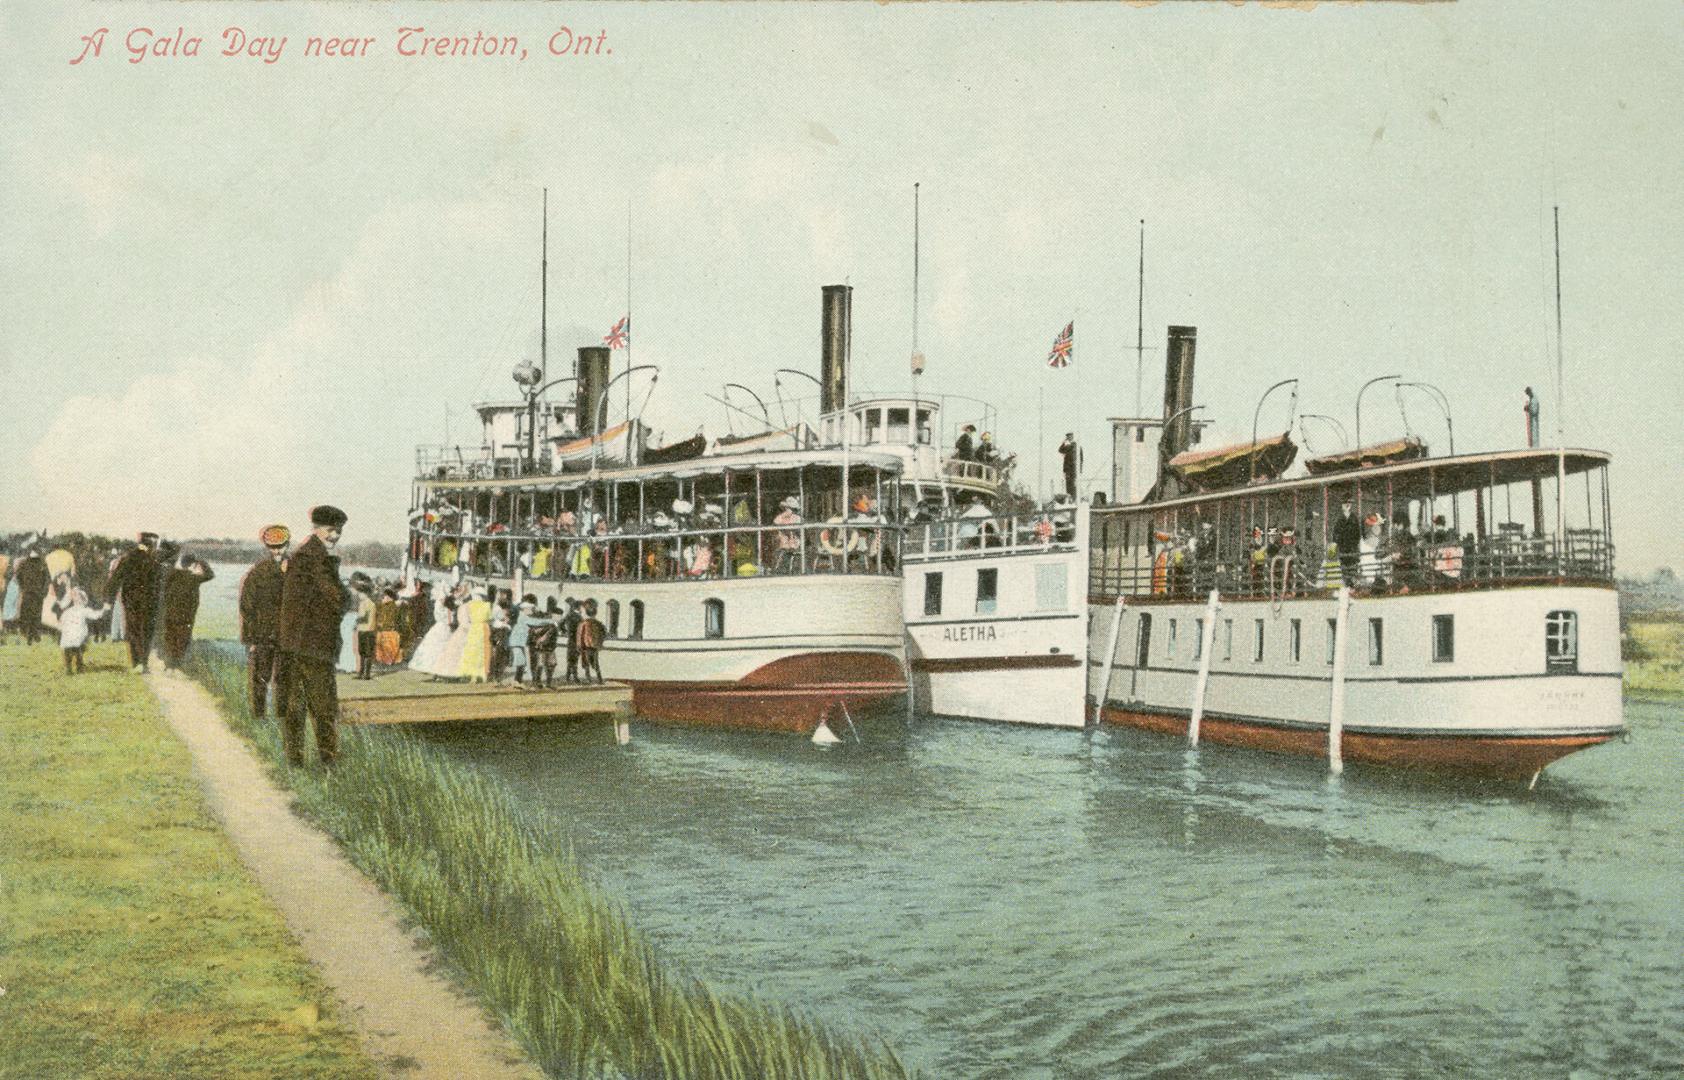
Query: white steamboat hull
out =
(1495, 705)
(791, 648)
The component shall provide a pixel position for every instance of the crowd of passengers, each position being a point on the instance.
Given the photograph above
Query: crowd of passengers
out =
(582, 544)
(1370, 554)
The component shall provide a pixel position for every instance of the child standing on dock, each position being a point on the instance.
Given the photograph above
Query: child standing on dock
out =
(519, 638)
(542, 633)
(591, 635)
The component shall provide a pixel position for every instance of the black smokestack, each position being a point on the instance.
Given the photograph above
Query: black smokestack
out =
(1178, 390)
(593, 383)
(836, 341)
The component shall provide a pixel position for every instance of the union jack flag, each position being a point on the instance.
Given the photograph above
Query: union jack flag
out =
(1062, 346)
(619, 336)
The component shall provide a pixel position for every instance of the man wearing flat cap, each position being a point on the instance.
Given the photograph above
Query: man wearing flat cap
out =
(260, 621)
(135, 579)
(311, 602)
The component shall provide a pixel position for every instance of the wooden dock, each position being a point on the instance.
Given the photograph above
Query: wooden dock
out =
(409, 697)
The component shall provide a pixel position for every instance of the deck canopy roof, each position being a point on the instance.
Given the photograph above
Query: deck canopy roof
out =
(1419, 479)
(748, 461)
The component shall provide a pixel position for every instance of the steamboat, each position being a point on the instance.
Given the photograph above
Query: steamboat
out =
(1388, 607)
(744, 582)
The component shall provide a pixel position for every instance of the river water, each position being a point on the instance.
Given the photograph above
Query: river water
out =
(1000, 901)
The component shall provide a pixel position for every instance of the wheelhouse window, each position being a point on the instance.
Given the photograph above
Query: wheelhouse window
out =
(987, 590)
(1296, 640)
(1444, 639)
(932, 594)
(1561, 641)
(1257, 641)
(900, 425)
(637, 618)
(925, 434)
(713, 618)
(613, 618)
(874, 425)
(1376, 642)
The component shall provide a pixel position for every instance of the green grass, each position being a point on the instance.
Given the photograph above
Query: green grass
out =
(1655, 652)
(132, 941)
(541, 944)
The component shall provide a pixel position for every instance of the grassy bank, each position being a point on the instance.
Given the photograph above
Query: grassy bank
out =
(1655, 656)
(132, 942)
(535, 938)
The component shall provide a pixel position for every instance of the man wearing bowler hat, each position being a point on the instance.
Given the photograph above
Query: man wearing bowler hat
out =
(135, 579)
(260, 621)
(311, 602)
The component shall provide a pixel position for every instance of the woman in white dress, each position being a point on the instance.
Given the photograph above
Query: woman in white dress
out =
(448, 663)
(432, 644)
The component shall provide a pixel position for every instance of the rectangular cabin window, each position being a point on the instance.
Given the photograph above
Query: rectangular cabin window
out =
(1198, 639)
(900, 425)
(1561, 642)
(1050, 590)
(1444, 639)
(1169, 639)
(1140, 434)
(1376, 642)
(713, 618)
(1227, 639)
(1143, 643)
(613, 618)
(637, 618)
(1296, 641)
(1332, 640)
(987, 591)
(925, 435)
(932, 594)
(874, 425)
(1257, 641)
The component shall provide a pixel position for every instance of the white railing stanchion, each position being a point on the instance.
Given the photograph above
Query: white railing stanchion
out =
(1110, 659)
(1207, 645)
(1336, 704)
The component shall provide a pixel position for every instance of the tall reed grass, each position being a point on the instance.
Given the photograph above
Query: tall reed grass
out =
(546, 949)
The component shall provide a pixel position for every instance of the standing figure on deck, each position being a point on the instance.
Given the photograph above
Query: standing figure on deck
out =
(311, 601)
(965, 449)
(1532, 410)
(591, 634)
(260, 621)
(1072, 455)
(133, 582)
(1347, 536)
(181, 606)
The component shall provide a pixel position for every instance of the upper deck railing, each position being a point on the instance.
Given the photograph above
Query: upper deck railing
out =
(859, 546)
(439, 462)
(960, 469)
(957, 537)
(1584, 556)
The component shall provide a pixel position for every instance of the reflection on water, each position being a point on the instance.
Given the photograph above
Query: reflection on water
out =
(1011, 902)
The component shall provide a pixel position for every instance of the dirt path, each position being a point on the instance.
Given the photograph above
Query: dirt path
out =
(412, 1021)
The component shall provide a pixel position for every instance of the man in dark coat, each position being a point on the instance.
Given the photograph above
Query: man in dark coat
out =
(135, 579)
(1347, 536)
(260, 622)
(181, 607)
(965, 448)
(33, 582)
(311, 602)
(1072, 455)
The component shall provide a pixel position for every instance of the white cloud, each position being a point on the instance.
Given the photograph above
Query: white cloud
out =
(103, 186)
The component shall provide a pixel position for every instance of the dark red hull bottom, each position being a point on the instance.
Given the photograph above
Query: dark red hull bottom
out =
(1507, 757)
(792, 694)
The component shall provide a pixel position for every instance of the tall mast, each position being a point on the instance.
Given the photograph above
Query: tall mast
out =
(1560, 381)
(1140, 322)
(917, 361)
(544, 292)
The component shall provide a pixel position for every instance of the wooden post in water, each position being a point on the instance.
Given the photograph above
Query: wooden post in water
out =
(1207, 645)
(1110, 661)
(1336, 706)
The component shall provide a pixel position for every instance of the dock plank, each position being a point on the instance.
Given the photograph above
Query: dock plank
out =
(408, 697)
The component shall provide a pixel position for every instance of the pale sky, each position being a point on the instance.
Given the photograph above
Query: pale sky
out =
(234, 289)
